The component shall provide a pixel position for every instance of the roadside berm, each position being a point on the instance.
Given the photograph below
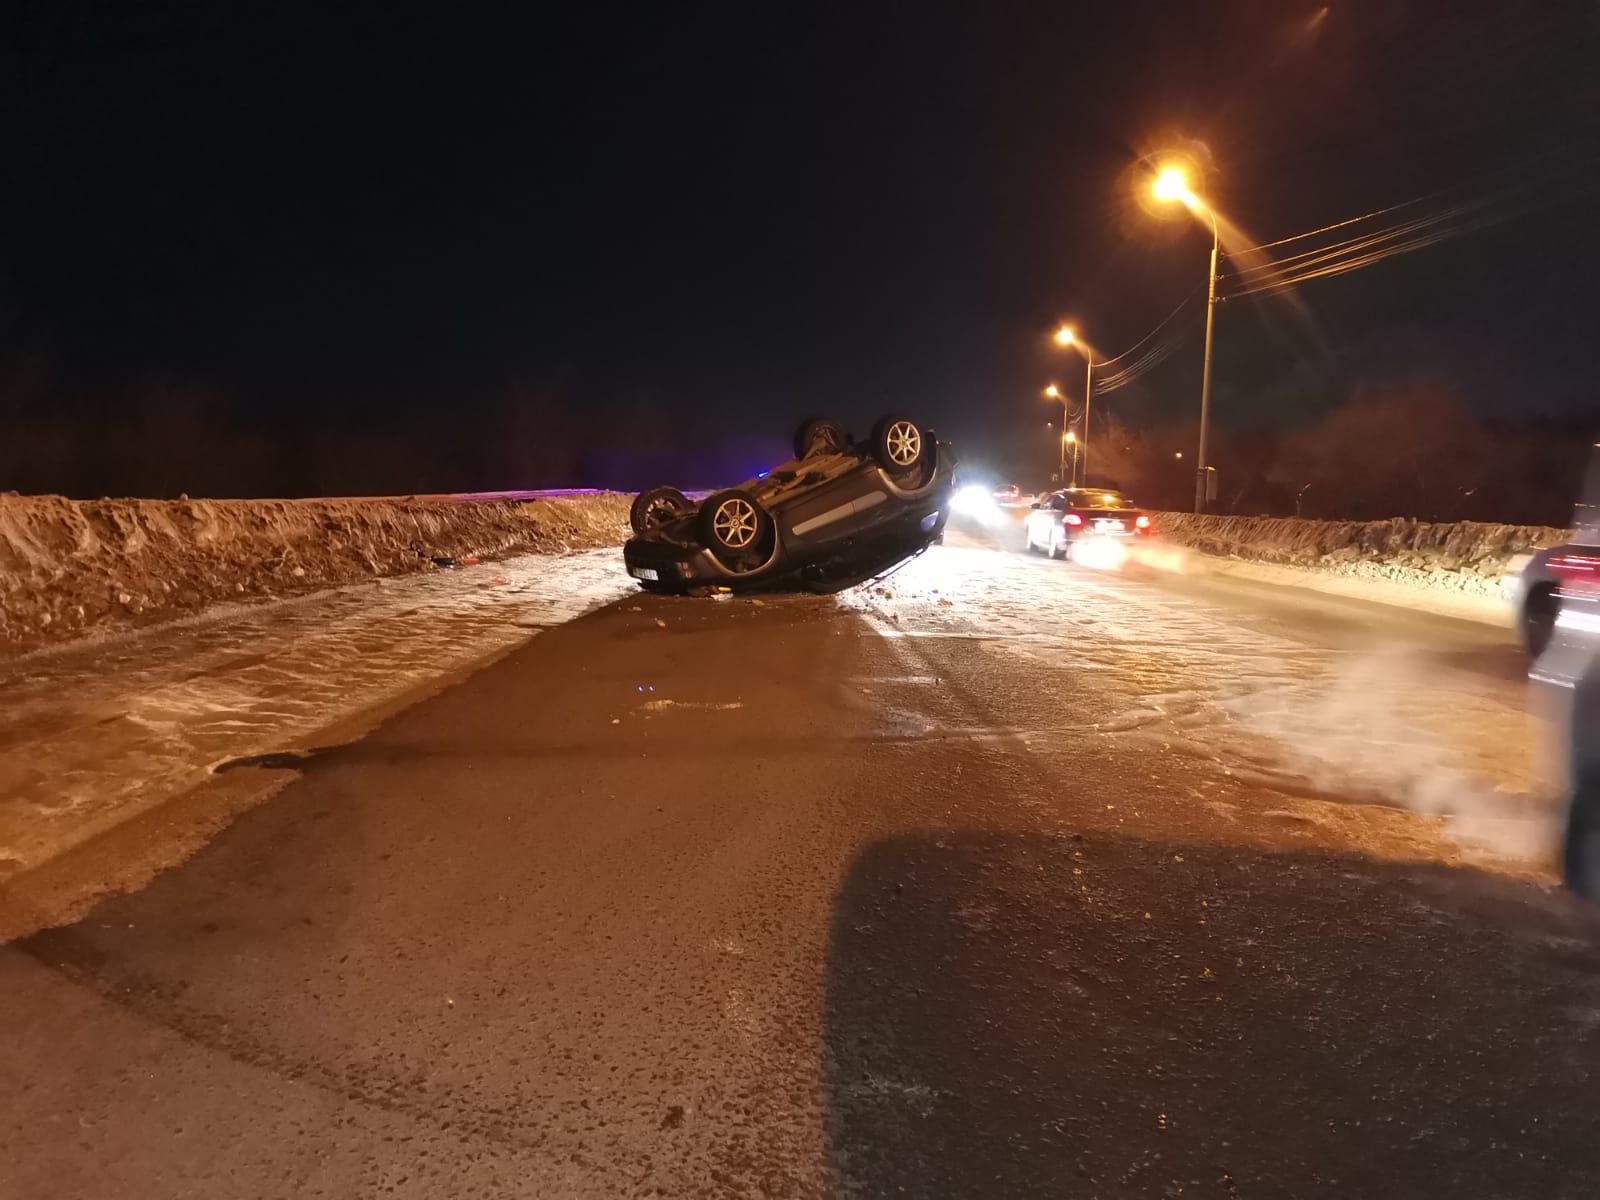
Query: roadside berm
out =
(76, 568)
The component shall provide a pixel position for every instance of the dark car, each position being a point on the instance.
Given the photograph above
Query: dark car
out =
(839, 512)
(1569, 669)
(1063, 519)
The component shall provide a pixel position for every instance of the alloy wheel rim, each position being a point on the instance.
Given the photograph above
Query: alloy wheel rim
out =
(735, 523)
(904, 443)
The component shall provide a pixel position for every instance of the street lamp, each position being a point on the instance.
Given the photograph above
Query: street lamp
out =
(1172, 184)
(1071, 439)
(1067, 336)
(1054, 393)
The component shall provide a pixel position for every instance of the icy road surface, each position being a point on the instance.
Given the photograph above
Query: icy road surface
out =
(94, 735)
(1004, 878)
(1317, 697)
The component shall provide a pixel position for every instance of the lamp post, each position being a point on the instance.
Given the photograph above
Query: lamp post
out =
(1054, 393)
(1172, 184)
(1071, 439)
(1065, 336)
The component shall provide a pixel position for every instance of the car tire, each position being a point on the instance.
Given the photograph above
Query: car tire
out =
(1538, 620)
(1580, 849)
(734, 526)
(655, 506)
(1061, 549)
(818, 435)
(899, 445)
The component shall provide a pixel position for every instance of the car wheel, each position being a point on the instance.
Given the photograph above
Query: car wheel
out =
(898, 444)
(654, 507)
(1061, 548)
(818, 435)
(1539, 613)
(1580, 851)
(734, 526)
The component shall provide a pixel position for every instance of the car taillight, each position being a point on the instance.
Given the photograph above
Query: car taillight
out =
(1142, 522)
(1574, 564)
(1072, 519)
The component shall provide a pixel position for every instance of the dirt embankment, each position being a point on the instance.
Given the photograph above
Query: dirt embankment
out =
(1462, 556)
(69, 568)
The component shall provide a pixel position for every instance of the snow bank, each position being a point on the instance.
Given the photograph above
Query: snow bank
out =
(70, 568)
(1464, 556)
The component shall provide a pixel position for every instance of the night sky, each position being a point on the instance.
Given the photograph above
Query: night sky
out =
(378, 249)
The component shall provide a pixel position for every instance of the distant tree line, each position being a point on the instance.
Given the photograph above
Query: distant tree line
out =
(1410, 450)
(163, 439)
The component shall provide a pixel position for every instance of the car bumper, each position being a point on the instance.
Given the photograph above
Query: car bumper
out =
(668, 565)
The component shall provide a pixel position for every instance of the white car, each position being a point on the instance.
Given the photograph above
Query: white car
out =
(1569, 668)
(1534, 591)
(1061, 520)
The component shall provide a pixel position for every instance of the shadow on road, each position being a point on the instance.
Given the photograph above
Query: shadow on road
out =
(1019, 1014)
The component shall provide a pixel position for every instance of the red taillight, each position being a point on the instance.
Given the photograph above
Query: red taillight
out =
(1143, 522)
(1072, 519)
(1574, 564)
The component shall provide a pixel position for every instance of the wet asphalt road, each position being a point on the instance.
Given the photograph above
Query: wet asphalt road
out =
(905, 895)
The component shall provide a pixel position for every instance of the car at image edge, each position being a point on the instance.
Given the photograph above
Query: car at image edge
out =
(1568, 670)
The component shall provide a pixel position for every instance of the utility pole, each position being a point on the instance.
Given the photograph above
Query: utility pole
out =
(1202, 476)
(1054, 393)
(1088, 393)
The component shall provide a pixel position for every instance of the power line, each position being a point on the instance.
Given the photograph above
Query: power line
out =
(1377, 212)
(1415, 233)
(1141, 366)
(1369, 252)
(1291, 262)
(1163, 323)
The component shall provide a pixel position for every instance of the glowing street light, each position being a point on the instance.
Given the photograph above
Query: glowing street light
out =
(1171, 184)
(1052, 392)
(1065, 335)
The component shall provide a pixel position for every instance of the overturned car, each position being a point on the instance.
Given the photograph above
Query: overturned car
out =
(838, 513)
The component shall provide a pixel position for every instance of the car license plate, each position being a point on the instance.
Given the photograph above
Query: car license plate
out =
(647, 573)
(1108, 525)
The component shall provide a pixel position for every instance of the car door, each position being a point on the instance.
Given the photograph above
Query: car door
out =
(831, 511)
(1042, 521)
